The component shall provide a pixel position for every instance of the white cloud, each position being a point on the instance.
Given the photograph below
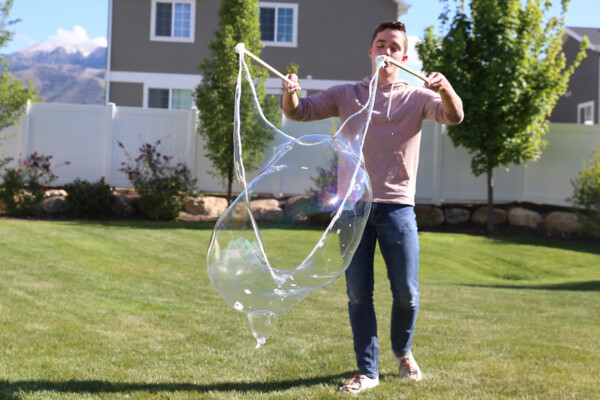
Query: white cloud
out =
(77, 36)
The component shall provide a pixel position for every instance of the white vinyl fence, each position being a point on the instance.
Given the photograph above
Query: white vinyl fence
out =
(88, 136)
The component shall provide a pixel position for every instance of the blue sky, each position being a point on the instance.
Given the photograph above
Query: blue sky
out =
(87, 20)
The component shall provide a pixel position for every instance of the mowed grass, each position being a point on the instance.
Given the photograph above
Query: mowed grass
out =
(125, 310)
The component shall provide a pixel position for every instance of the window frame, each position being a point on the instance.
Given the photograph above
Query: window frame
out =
(586, 105)
(170, 91)
(155, 38)
(277, 6)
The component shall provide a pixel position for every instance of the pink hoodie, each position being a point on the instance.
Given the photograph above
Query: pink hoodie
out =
(391, 148)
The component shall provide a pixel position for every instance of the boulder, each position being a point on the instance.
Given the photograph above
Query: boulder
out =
(54, 206)
(429, 215)
(520, 216)
(266, 210)
(561, 222)
(297, 208)
(457, 215)
(123, 206)
(55, 193)
(480, 216)
(207, 206)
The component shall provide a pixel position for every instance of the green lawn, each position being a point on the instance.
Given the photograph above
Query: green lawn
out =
(125, 311)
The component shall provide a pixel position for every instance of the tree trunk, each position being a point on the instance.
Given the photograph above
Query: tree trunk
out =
(229, 186)
(490, 198)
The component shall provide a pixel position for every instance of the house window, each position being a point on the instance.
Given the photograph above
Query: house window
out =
(279, 24)
(175, 99)
(173, 20)
(585, 113)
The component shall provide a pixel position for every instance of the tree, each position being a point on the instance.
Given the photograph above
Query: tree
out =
(13, 95)
(507, 64)
(238, 23)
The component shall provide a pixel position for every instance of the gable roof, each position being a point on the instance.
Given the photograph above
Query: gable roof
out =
(593, 35)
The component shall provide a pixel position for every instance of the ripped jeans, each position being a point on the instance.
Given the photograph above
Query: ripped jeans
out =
(394, 227)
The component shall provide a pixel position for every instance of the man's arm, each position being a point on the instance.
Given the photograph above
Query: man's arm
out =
(289, 99)
(451, 102)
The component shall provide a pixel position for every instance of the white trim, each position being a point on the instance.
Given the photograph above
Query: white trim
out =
(403, 7)
(580, 106)
(171, 38)
(578, 37)
(307, 83)
(108, 54)
(180, 81)
(275, 43)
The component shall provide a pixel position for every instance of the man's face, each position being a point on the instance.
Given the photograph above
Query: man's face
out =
(389, 42)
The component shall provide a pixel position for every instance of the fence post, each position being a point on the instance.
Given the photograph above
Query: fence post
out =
(24, 139)
(111, 112)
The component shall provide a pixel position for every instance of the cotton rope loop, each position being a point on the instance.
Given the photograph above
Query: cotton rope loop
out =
(248, 259)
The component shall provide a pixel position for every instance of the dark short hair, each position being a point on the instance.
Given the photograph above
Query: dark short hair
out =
(394, 25)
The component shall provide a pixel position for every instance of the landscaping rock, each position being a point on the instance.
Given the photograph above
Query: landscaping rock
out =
(480, 216)
(55, 193)
(266, 210)
(296, 208)
(561, 222)
(457, 215)
(54, 206)
(123, 206)
(520, 216)
(207, 206)
(429, 215)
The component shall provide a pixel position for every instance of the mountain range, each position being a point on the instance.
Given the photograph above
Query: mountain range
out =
(62, 72)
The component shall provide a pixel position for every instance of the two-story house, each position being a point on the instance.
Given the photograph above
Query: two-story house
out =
(156, 46)
(581, 103)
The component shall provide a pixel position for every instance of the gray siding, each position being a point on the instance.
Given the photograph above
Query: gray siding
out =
(131, 47)
(583, 85)
(127, 94)
(333, 38)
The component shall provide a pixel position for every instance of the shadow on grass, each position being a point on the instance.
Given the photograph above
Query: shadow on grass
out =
(585, 286)
(13, 390)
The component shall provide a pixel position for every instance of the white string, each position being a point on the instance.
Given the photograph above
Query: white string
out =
(239, 160)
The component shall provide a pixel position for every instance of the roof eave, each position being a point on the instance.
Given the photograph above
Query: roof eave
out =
(578, 37)
(403, 7)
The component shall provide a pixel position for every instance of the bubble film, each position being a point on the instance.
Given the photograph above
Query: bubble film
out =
(249, 259)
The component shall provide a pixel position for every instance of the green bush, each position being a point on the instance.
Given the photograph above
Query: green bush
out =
(89, 200)
(586, 194)
(162, 186)
(22, 188)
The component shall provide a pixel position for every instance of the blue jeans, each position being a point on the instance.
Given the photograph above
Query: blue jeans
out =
(394, 226)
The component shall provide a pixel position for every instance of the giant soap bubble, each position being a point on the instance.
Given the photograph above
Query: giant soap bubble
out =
(249, 259)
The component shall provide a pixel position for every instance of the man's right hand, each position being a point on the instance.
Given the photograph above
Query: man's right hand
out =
(291, 87)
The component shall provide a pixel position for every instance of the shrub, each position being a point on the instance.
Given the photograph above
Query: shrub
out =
(22, 188)
(162, 186)
(89, 200)
(586, 194)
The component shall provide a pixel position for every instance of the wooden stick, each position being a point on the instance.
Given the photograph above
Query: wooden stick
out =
(267, 66)
(404, 67)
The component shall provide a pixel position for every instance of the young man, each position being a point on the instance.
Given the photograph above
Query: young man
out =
(391, 155)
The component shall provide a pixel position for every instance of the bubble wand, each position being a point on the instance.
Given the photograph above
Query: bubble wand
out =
(404, 67)
(241, 48)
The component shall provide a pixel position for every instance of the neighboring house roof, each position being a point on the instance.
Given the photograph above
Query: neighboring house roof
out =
(593, 35)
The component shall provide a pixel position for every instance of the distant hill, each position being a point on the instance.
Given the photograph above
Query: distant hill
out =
(62, 72)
